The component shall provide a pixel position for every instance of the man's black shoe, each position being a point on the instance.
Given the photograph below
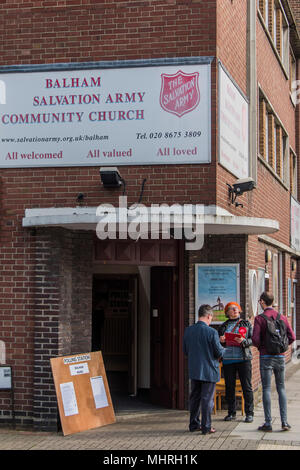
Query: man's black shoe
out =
(230, 417)
(285, 427)
(249, 419)
(265, 427)
(195, 429)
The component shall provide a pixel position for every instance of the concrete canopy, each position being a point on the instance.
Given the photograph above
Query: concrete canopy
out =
(214, 219)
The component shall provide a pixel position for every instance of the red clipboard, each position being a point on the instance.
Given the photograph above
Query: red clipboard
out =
(229, 337)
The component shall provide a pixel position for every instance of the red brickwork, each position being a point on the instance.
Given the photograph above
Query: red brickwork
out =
(296, 10)
(44, 277)
(232, 39)
(80, 30)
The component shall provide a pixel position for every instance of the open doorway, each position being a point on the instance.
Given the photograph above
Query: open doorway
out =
(134, 324)
(119, 331)
(114, 330)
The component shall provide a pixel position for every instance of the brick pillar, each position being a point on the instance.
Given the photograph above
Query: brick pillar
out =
(63, 308)
(82, 284)
(47, 294)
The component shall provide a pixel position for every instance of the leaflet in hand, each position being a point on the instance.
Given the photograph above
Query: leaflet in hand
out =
(230, 339)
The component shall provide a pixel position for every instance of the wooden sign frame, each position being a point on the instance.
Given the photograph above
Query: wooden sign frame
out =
(82, 391)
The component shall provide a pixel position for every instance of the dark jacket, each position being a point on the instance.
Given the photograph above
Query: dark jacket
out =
(245, 345)
(202, 346)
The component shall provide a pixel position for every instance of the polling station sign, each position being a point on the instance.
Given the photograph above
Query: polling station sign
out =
(110, 116)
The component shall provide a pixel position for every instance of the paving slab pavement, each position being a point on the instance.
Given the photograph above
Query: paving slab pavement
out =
(167, 430)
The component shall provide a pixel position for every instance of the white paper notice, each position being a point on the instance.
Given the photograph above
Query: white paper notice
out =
(77, 369)
(69, 399)
(99, 392)
(5, 377)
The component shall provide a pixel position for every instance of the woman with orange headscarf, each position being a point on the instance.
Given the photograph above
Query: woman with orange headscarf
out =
(237, 359)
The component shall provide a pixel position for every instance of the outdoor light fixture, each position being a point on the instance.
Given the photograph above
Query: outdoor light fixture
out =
(240, 187)
(80, 198)
(111, 177)
(268, 256)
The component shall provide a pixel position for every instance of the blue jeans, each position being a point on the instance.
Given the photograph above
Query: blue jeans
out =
(267, 365)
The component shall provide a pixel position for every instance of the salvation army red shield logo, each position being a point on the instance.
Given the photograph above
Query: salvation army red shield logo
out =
(180, 92)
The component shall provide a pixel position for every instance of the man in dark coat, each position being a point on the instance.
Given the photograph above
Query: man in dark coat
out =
(202, 346)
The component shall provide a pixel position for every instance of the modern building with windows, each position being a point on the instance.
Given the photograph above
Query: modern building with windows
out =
(149, 163)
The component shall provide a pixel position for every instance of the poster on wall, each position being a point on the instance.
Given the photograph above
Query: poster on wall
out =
(261, 277)
(295, 224)
(289, 302)
(253, 292)
(111, 116)
(233, 124)
(5, 377)
(216, 285)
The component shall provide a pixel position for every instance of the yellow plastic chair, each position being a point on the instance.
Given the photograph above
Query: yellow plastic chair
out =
(220, 392)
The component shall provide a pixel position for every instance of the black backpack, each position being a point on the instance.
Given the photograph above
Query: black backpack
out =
(276, 340)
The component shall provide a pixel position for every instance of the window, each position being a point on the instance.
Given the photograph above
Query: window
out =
(261, 6)
(262, 127)
(275, 283)
(275, 151)
(266, 16)
(293, 174)
(277, 26)
(280, 280)
(274, 25)
(273, 141)
(264, 134)
(285, 52)
(260, 285)
(293, 76)
(267, 136)
(285, 159)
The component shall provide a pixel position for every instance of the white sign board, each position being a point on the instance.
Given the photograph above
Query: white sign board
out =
(5, 377)
(125, 116)
(295, 224)
(77, 369)
(76, 359)
(233, 127)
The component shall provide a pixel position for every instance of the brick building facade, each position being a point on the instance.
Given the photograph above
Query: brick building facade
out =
(54, 270)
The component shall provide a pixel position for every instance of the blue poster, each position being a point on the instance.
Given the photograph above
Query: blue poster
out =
(216, 285)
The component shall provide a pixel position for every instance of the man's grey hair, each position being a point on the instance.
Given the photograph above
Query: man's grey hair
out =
(204, 310)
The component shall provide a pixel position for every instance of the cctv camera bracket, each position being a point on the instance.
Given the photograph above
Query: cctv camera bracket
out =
(232, 193)
(238, 188)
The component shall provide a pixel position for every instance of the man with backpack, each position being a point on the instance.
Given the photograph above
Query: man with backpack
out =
(272, 335)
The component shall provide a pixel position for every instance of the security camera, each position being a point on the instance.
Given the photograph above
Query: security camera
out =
(110, 177)
(243, 185)
(240, 187)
